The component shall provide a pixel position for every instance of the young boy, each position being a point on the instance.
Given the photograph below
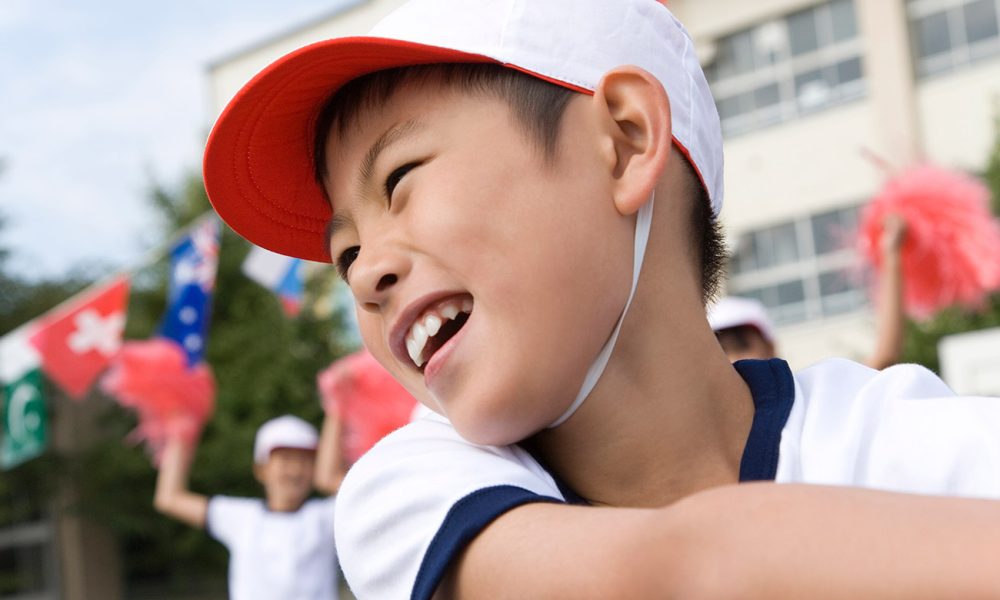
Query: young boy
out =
(279, 547)
(492, 212)
(744, 329)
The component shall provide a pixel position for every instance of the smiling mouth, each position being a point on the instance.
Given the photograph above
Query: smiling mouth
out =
(435, 326)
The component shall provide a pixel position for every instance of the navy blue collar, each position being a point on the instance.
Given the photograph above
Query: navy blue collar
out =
(773, 391)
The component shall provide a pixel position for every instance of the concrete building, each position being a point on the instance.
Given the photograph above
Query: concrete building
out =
(820, 100)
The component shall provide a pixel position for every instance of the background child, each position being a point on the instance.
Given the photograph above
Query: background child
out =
(281, 546)
(495, 221)
(745, 330)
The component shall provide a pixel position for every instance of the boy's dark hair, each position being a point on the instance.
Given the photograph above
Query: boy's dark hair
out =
(537, 106)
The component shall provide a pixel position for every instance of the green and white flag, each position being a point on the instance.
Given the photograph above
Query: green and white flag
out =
(25, 426)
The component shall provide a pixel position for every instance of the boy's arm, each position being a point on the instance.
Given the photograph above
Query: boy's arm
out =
(330, 470)
(889, 312)
(172, 497)
(748, 541)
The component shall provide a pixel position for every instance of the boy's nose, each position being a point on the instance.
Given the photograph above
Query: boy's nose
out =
(374, 276)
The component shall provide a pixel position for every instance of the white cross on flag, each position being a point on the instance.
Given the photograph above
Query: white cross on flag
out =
(77, 341)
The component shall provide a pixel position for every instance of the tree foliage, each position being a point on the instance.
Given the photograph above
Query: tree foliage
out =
(922, 338)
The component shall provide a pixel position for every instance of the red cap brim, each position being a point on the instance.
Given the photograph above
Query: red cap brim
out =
(259, 165)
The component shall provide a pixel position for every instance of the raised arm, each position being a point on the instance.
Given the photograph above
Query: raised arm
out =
(330, 467)
(748, 541)
(173, 498)
(889, 312)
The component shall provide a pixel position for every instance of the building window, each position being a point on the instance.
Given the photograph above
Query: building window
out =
(783, 68)
(948, 34)
(802, 269)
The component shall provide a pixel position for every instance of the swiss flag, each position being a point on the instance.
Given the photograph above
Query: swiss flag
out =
(78, 340)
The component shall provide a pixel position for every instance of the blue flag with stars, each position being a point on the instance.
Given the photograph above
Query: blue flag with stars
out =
(193, 263)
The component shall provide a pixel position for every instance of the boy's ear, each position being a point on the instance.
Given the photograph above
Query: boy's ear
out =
(635, 113)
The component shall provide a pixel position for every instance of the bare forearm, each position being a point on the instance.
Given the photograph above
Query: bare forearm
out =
(172, 496)
(889, 312)
(749, 541)
(767, 541)
(330, 470)
(889, 344)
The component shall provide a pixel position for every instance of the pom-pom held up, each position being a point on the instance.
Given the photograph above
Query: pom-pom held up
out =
(171, 399)
(951, 252)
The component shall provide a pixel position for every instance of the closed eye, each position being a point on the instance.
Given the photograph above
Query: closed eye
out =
(346, 259)
(395, 177)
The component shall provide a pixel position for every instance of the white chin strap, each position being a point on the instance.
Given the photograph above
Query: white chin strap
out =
(642, 222)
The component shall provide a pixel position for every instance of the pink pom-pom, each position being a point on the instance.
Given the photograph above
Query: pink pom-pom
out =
(951, 251)
(171, 399)
(369, 402)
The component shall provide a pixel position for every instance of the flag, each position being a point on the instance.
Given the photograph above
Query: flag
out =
(25, 427)
(193, 263)
(76, 341)
(278, 273)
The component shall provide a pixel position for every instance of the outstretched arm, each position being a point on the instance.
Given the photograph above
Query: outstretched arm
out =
(173, 498)
(330, 467)
(747, 541)
(889, 312)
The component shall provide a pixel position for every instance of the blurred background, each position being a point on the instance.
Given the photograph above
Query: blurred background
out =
(106, 109)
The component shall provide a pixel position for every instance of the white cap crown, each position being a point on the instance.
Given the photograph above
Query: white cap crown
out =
(576, 42)
(283, 432)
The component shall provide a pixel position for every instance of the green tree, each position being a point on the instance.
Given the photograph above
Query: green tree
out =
(922, 338)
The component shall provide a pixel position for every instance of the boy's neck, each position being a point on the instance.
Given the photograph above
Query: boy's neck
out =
(652, 434)
(670, 415)
(283, 505)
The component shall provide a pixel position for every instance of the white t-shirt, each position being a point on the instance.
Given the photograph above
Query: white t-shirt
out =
(413, 502)
(286, 555)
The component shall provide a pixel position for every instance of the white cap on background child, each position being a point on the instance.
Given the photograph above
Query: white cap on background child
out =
(283, 432)
(734, 311)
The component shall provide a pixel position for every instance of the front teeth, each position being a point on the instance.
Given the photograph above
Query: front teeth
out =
(430, 324)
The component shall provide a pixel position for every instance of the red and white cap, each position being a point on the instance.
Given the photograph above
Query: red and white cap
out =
(734, 311)
(283, 432)
(259, 170)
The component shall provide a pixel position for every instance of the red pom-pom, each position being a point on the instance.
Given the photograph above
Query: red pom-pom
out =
(152, 377)
(951, 252)
(369, 402)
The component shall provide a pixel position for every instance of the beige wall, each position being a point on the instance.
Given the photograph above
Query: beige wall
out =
(800, 167)
(228, 75)
(958, 113)
(708, 19)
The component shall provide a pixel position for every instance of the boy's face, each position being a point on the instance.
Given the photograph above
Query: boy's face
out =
(460, 210)
(287, 476)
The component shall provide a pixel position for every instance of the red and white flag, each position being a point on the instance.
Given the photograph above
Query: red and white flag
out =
(77, 341)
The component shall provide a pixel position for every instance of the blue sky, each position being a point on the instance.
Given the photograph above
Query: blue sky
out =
(99, 98)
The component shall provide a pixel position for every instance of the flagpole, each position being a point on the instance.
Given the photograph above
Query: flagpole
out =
(150, 257)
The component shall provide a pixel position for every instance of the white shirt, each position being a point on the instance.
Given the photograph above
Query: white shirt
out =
(412, 503)
(276, 555)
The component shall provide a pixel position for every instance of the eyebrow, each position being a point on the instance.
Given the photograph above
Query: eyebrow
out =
(365, 173)
(384, 141)
(336, 223)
